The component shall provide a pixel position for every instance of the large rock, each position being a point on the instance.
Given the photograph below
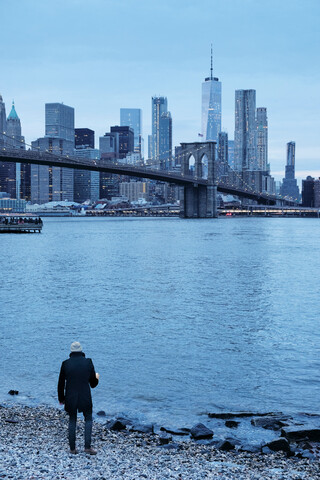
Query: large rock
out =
(232, 424)
(226, 446)
(247, 447)
(142, 428)
(101, 413)
(200, 431)
(178, 431)
(164, 438)
(115, 425)
(226, 416)
(279, 445)
(269, 423)
(296, 433)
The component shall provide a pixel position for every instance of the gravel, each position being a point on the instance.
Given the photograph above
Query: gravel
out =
(35, 447)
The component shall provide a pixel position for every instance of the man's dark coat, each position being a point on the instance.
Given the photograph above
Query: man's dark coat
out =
(77, 375)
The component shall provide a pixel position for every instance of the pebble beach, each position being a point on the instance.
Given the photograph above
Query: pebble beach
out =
(33, 446)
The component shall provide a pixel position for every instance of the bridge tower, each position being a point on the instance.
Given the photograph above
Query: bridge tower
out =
(198, 201)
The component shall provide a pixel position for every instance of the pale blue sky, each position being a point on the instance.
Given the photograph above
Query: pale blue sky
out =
(100, 55)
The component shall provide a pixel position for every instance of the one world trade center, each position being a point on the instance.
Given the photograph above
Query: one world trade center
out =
(211, 107)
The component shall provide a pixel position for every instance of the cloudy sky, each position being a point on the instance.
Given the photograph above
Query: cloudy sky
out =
(100, 55)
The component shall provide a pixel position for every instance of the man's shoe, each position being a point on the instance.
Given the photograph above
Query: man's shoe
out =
(74, 452)
(90, 451)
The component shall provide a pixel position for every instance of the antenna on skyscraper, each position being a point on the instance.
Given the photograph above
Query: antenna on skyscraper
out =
(211, 69)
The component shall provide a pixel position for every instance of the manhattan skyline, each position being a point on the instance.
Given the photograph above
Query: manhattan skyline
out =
(101, 57)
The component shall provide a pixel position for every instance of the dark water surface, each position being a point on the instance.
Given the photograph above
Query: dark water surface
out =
(180, 317)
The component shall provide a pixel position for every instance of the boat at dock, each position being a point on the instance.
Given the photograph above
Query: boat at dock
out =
(19, 224)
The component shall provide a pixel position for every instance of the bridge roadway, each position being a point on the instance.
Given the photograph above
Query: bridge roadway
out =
(52, 160)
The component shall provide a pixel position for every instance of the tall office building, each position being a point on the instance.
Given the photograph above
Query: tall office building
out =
(211, 107)
(150, 147)
(308, 192)
(54, 183)
(289, 186)
(83, 138)
(223, 154)
(86, 183)
(16, 140)
(14, 137)
(245, 157)
(132, 117)
(10, 173)
(59, 121)
(126, 140)
(231, 153)
(262, 139)
(165, 150)
(3, 122)
(160, 146)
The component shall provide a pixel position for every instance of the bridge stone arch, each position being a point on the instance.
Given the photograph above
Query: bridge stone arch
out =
(191, 164)
(204, 166)
(199, 201)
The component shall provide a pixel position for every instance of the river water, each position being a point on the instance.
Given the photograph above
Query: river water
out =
(180, 317)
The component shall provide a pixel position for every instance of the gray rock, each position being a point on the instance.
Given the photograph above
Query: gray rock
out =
(178, 431)
(269, 423)
(12, 420)
(142, 428)
(125, 421)
(115, 425)
(279, 445)
(232, 424)
(226, 446)
(225, 416)
(306, 454)
(101, 413)
(165, 438)
(266, 450)
(305, 432)
(250, 448)
(200, 431)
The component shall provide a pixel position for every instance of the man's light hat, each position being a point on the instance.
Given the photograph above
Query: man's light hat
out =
(76, 347)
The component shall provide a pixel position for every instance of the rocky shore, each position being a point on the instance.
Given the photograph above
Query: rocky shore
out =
(33, 446)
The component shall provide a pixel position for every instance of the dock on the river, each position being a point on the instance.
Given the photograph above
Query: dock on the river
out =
(13, 224)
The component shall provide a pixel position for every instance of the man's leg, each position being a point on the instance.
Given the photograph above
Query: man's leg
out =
(72, 430)
(87, 429)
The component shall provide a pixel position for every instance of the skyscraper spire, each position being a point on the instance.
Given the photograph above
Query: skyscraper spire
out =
(13, 114)
(211, 69)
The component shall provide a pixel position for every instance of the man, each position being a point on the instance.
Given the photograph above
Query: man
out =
(77, 375)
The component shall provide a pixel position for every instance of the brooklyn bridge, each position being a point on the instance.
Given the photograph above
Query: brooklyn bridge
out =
(198, 185)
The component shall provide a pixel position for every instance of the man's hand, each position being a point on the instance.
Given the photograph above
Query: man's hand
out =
(97, 376)
(61, 403)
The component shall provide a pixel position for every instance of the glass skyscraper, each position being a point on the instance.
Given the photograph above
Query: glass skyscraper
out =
(165, 150)
(83, 138)
(211, 107)
(289, 186)
(59, 121)
(245, 157)
(54, 184)
(160, 145)
(132, 117)
(262, 139)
